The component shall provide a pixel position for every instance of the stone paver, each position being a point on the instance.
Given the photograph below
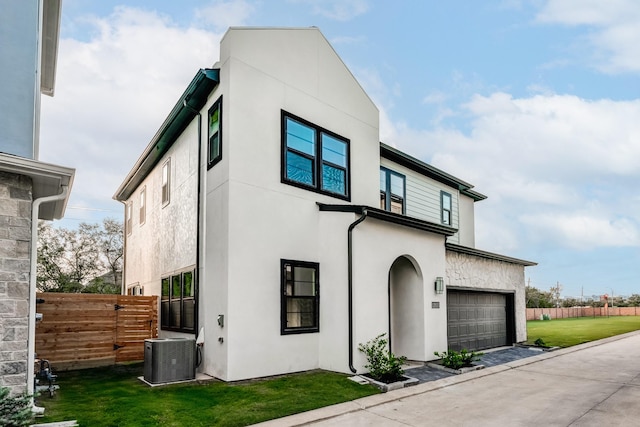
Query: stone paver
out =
(488, 359)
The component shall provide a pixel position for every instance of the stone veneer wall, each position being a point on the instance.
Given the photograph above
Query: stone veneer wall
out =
(474, 272)
(15, 239)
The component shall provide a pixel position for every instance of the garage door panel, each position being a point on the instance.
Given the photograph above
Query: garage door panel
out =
(476, 320)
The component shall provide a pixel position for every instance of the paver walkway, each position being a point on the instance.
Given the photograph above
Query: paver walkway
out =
(492, 358)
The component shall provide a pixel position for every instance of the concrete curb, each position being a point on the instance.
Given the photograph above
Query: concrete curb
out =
(309, 417)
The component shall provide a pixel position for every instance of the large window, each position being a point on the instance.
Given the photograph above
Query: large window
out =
(178, 303)
(445, 203)
(314, 158)
(166, 182)
(215, 133)
(300, 297)
(392, 191)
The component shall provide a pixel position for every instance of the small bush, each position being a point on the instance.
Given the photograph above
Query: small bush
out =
(14, 411)
(383, 365)
(454, 360)
(540, 343)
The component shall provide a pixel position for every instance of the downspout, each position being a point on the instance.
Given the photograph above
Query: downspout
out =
(35, 210)
(198, 214)
(350, 283)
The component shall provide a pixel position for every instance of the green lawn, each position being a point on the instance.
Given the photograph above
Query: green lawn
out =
(115, 397)
(568, 332)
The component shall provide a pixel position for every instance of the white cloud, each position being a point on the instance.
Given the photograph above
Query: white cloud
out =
(113, 92)
(539, 159)
(223, 14)
(616, 34)
(338, 10)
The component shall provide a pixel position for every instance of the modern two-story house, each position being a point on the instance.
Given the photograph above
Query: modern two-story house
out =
(29, 189)
(266, 213)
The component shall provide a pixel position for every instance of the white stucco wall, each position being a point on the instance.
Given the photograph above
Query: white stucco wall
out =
(165, 242)
(472, 272)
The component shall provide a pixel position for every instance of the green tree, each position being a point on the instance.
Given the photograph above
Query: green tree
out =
(571, 302)
(536, 298)
(634, 300)
(69, 260)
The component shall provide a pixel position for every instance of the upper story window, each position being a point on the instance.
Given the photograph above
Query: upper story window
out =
(300, 297)
(128, 216)
(215, 133)
(314, 158)
(445, 203)
(143, 205)
(166, 182)
(392, 191)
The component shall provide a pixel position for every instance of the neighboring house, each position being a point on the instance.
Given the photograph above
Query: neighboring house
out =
(29, 189)
(266, 212)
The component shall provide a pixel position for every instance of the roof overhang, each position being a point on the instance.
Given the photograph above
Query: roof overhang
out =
(193, 99)
(47, 180)
(488, 255)
(391, 217)
(429, 171)
(51, 14)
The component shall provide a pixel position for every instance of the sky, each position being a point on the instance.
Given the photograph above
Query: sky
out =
(534, 102)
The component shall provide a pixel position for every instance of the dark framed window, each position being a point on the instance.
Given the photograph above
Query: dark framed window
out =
(392, 191)
(300, 297)
(314, 158)
(215, 133)
(445, 203)
(178, 302)
(166, 182)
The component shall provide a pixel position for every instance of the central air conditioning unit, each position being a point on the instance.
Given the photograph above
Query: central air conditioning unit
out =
(169, 359)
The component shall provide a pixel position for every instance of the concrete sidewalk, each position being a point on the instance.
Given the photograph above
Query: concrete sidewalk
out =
(591, 384)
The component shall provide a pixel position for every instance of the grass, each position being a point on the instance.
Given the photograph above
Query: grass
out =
(114, 396)
(573, 331)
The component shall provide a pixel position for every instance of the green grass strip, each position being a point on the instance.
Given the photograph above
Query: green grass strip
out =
(573, 331)
(115, 397)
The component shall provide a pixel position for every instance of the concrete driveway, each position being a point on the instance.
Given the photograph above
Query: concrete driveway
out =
(592, 384)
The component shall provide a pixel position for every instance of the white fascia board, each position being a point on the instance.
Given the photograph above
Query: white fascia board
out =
(48, 180)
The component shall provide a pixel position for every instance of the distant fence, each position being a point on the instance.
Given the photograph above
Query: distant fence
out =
(88, 330)
(562, 313)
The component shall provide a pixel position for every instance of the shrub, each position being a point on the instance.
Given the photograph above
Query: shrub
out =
(383, 365)
(454, 360)
(14, 411)
(540, 343)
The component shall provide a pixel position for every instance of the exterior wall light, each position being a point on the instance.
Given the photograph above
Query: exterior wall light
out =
(439, 285)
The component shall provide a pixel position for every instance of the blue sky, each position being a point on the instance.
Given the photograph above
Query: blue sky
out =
(537, 103)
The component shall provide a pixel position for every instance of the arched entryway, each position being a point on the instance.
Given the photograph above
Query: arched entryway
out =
(406, 308)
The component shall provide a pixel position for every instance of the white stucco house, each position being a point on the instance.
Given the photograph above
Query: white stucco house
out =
(266, 212)
(29, 189)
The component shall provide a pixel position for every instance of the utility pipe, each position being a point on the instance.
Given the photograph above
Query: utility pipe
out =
(35, 211)
(350, 283)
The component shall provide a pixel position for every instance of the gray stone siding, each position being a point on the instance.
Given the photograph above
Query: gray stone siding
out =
(15, 240)
(474, 272)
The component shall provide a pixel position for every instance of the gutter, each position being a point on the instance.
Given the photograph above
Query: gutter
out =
(35, 210)
(350, 283)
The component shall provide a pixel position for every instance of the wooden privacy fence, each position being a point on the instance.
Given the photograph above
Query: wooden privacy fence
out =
(562, 313)
(88, 330)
